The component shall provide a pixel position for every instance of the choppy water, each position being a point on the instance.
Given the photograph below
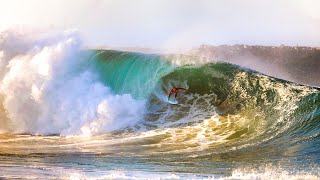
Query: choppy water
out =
(72, 113)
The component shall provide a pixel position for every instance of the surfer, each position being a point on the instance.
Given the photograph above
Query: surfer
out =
(175, 90)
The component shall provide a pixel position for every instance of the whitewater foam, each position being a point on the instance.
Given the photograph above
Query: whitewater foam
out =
(47, 89)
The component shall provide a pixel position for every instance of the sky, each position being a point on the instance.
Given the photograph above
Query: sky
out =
(172, 24)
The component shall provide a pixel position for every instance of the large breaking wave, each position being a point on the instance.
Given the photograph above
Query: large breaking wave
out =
(52, 86)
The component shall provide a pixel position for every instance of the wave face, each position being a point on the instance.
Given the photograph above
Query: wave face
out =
(226, 108)
(227, 114)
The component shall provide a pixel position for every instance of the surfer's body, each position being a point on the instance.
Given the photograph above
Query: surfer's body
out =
(175, 91)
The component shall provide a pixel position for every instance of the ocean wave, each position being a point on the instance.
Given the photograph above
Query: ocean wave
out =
(53, 86)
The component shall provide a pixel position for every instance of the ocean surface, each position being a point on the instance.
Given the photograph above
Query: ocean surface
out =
(73, 113)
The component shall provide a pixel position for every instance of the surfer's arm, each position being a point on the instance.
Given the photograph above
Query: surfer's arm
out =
(181, 89)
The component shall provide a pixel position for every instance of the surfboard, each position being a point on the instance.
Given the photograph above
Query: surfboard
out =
(172, 101)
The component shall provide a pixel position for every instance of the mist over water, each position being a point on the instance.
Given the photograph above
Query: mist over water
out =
(293, 63)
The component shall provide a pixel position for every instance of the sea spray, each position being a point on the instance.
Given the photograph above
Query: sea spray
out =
(47, 89)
